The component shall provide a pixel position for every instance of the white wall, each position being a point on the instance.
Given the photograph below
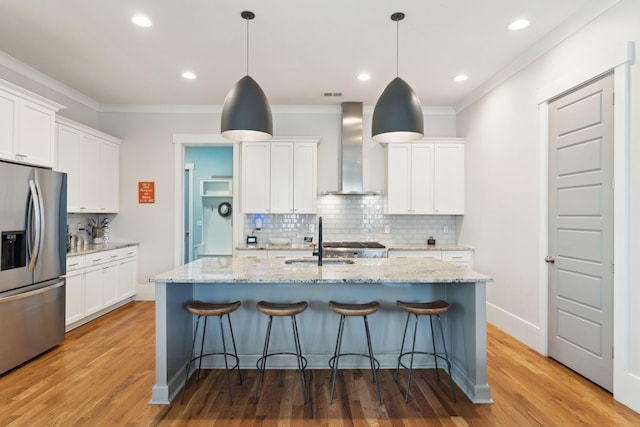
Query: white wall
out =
(146, 154)
(504, 209)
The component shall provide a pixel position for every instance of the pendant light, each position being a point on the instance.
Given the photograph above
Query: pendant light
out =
(397, 116)
(246, 114)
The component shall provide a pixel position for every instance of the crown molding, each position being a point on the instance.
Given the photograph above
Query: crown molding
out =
(551, 40)
(31, 73)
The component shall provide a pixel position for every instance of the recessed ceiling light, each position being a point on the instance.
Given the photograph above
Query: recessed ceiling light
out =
(363, 77)
(460, 77)
(141, 21)
(519, 24)
(188, 75)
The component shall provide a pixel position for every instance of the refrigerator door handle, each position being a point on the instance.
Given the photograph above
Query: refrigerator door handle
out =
(31, 293)
(34, 219)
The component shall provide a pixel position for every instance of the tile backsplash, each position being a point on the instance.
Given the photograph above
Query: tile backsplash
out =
(355, 218)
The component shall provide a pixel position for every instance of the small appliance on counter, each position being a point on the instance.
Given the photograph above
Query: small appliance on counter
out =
(33, 253)
(431, 241)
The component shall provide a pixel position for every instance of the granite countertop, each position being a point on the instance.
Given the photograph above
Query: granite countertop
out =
(363, 270)
(99, 248)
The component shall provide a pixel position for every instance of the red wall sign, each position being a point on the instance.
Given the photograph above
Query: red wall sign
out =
(146, 192)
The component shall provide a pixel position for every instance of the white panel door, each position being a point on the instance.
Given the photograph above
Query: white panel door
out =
(36, 134)
(581, 231)
(69, 160)
(89, 171)
(399, 179)
(281, 176)
(255, 177)
(422, 175)
(8, 125)
(305, 187)
(109, 177)
(449, 179)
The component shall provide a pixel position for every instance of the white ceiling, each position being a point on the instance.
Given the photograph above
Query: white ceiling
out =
(298, 49)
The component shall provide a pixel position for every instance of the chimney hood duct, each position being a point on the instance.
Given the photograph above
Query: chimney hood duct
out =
(351, 152)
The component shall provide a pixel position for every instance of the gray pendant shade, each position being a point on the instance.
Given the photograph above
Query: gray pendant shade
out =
(246, 114)
(397, 116)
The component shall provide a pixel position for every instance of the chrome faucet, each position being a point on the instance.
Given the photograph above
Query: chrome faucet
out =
(318, 252)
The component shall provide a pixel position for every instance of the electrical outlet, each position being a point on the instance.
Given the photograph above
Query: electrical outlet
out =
(387, 229)
(446, 229)
(312, 228)
(78, 226)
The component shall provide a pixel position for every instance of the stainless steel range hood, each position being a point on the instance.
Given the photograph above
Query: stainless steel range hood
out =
(351, 152)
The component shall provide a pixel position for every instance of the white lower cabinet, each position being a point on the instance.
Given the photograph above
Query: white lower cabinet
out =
(250, 253)
(99, 282)
(461, 258)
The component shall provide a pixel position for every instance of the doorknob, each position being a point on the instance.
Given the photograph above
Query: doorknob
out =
(549, 259)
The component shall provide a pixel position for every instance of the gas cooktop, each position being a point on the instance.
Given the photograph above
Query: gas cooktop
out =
(356, 245)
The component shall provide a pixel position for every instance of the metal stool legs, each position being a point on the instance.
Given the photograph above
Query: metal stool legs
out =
(302, 362)
(223, 353)
(334, 361)
(413, 352)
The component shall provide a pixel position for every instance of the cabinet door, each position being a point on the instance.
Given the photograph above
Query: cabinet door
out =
(449, 179)
(127, 273)
(93, 291)
(74, 298)
(88, 168)
(422, 179)
(108, 177)
(8, 125)
(305, 185)
(69, 160)
(281, 176)
(110, 284)
(35, 134)
(399, 179)
(255, 177)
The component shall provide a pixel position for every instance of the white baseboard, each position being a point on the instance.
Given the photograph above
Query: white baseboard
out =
(146, 292)
(522, 330)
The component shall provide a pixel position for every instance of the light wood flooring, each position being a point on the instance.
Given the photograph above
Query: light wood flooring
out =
(103, 373)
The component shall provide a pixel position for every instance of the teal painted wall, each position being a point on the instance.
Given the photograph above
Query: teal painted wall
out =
(210, 162)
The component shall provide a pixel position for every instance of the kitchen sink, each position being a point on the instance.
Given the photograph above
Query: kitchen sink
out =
(325, 261)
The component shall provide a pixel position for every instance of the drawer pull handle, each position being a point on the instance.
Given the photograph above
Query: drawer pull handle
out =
(73, 265)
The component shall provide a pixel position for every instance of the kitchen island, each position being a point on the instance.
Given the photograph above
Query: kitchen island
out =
(385, 280)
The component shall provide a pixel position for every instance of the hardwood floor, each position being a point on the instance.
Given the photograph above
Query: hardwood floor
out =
(103, 373)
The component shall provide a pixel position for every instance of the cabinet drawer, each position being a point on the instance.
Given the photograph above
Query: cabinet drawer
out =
(128, 252)
(457, 256)
(415, 254)
(76, 262)
(252, 254)
(97, 258)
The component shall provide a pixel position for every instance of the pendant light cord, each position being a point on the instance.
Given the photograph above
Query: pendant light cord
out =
(247, 47)
(397, 47)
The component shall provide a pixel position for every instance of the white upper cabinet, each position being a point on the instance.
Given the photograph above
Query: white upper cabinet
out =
(425, 178)
(91, 160)
(448, 179)
(27, 126)
(279, 177)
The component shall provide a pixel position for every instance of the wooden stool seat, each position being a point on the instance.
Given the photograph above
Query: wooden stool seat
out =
(281, 308)
(424, 308)
(347, 309)
(201, 308)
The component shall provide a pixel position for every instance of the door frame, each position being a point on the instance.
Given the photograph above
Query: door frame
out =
(190, 167)
(619, 60)
(180, 142)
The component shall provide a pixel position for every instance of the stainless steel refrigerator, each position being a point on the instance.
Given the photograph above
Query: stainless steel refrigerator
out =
(33, 216)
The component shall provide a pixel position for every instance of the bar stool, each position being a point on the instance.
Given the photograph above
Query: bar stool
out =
(207, 309)
(434, 308)
(345, 310)
(282, 309)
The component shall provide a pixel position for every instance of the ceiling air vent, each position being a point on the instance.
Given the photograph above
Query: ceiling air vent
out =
(331, 94)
